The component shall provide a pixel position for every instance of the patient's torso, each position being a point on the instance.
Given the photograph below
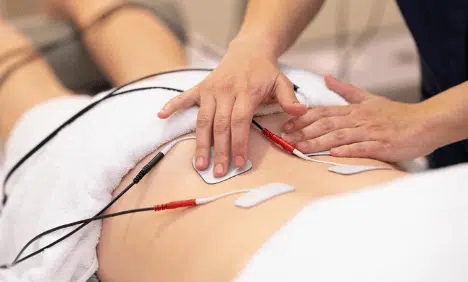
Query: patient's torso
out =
(212, 242)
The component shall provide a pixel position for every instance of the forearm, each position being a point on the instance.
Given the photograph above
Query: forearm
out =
(129, 44)
(447, 114)
(272, 26)
(31, 83)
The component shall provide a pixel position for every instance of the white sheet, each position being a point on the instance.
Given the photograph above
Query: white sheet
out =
(411, 230)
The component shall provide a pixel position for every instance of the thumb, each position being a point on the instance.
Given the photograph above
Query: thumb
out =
(287, 98)
(351, 93)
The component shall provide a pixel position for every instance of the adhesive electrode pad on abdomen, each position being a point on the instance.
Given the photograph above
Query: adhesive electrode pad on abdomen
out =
(208, 176)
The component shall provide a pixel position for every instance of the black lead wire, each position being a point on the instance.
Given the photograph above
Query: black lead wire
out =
(143, 172)
(83, 221)
(99, 215)
(89, 107)
(112, 94)
(137, 179)
(147, 168)
(257, 124)
(48, 48)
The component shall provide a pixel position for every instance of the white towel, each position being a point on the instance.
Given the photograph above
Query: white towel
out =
(72, 177)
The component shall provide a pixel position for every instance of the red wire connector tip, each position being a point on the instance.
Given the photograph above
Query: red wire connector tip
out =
(176, 205)
(278, 140)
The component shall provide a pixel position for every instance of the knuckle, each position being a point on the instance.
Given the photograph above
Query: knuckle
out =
(182, 100)
(375, 127)
(254, 89)
(323, 112)
(221, 156)
(366, 113)
(206, 87)
(178, 99)
(203, 120)
(238, 147)
(340, 135)
(313, 144)
(386, 146)
(240, 120)
(201, 149)
(227, 84)
(325, 124)
(295, 122)
(221, 125)
(361, 149)
(299, 135)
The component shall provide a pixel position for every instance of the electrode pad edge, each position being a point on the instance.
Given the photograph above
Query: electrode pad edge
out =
(263, 193)
(208, 176)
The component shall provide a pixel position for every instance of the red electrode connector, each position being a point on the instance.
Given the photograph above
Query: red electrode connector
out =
(278, 140)
(176, 205)
(275, 138)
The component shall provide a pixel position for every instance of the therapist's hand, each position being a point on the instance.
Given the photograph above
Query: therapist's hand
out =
(370, 127)
(228, 97)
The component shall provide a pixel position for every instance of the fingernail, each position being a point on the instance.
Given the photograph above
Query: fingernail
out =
(239, 162)
(200, 163)
(219, 170)
(288, 126)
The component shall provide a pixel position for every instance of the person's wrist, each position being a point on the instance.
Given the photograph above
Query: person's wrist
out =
(257, 46)
(438, 126)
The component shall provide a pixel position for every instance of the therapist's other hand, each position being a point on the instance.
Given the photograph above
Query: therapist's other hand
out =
(228, 98)
(370, 127)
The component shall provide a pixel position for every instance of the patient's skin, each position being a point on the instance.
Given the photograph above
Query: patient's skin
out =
(216, 241)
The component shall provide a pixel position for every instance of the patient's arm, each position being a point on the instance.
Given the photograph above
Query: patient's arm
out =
(130, 44)
(28, 86)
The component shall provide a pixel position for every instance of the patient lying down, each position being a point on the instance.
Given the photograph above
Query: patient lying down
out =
(321, 232)
(299, 236)
(216, 241)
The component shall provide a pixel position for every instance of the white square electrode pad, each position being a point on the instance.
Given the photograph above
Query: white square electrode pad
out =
(232, 171)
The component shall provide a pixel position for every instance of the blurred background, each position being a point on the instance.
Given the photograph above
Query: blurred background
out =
(365, 42)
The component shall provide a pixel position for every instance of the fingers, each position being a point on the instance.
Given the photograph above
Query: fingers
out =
(332, 140)
(241, 120)
(368, 149)
(315, 115)
(222, 135)
(287, 98)
(203, 132)
(352, 94)
(180, 102)
(319, 128)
